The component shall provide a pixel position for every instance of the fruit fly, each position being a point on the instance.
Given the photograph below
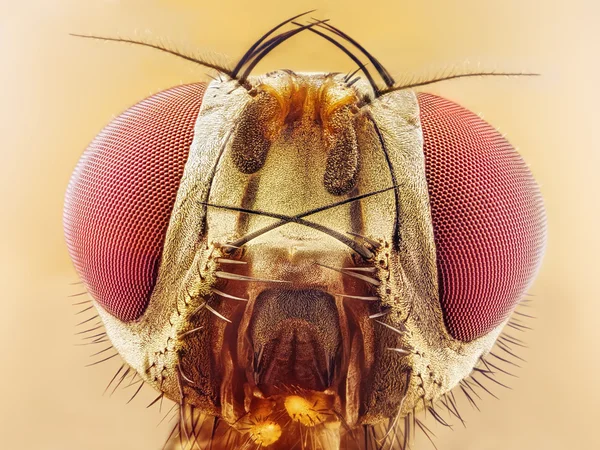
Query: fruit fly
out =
(304, 260)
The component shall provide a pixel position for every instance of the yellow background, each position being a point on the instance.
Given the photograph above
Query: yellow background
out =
(57, 92)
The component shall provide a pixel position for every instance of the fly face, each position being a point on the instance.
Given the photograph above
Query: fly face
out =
(293, 254)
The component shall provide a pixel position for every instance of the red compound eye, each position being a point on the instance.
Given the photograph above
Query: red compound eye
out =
(488, 217)
(119, 201)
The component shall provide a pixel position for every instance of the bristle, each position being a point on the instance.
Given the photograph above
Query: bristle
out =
(81, 303)
(371, 242)
(114, 378)
(250, 52)
(89, 330)
(383, 72)
(354, 80)
(230, 261)
(396, 330)
(359, 276)
(271, 45)
(101, 351)
(136, 392)
(187, 333)
(492, 379)
(360, 269)
(427, 432)
(237, 277)
(501, 370)
(351, 74)
(503, 359)
(216, 313)
(77, 295)
(395, 231)
(380, 314)
(197, 310)
(87, 320)
(101, 361)
(346, 51)
(286, 219)
(476, 381)
(156, 400)
(184, 376)
(84, 310)
(358, 297)
(402, 351)
(123, 376)
(233, 297)
(469, 398)
(171, 436)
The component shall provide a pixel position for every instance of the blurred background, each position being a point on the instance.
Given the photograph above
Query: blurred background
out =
(57, 92)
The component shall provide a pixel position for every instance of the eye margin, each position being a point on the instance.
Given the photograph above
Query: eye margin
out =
(488, 218)
(121, 194)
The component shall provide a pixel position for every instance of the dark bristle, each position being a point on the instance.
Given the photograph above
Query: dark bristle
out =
(476, 381)
(132, 381)
(78, 295)
(96, 336)
(524, 315)
(510, 342)
(84, 310)
(499, 369)
(446, 403)
(406, 432)
(123, 376)
(492, 379)
(468, 384)
(171, 436)
(505, 334)
(169, 412)
(214, 431)
(452, 400)
(383, 72)
(156, 400)
(427, 432)
(517, 326)
(395, 231)
(137, 392)
(351, 55)
(114, 378)
(438, 418)
(505, 349)
(243, 240)
(81, 303)
(101, 361)
(494, 355)
(87, 320)
(250, 52)
(89, 330)
(101, 351)
(350, 83)
(354, 72)
(354, 245)
(273, 43)
(469, 398)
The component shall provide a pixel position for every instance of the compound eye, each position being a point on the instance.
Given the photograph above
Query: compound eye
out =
(488, 218)
(121, 194)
